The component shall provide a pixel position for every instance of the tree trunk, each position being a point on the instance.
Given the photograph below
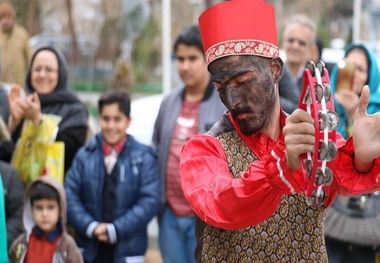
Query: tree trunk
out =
(208, 3)
(74, 42)
(31, 16)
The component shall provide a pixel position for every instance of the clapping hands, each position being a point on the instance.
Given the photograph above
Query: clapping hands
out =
(28, 107)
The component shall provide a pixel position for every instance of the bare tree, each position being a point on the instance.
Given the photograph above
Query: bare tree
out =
(110, 39)
(208, 3)
(31, 15)
(74, 39)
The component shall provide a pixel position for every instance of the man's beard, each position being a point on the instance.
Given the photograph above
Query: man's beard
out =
(258, 122)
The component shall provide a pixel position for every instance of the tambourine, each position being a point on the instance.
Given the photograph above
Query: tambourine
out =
(317, 100)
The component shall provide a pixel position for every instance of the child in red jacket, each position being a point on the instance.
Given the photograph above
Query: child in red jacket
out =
(44, 218)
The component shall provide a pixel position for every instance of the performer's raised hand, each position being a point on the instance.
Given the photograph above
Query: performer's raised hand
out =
(366, 132)
(298, 136)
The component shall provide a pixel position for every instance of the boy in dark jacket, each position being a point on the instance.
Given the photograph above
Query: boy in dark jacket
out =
(113, 188)
(45, 239)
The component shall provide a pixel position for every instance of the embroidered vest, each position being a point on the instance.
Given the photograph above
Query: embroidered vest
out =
(293, 234)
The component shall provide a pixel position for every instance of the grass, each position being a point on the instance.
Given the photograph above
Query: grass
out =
(149, 88)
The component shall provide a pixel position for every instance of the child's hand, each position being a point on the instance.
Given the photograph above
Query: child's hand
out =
(100, 233)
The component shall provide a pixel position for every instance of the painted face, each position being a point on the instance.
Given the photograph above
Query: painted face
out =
(44, 72)
(297, 42)
(358, 57)
(45, 213)
(246, 87)
(191, 65)
(113, 124)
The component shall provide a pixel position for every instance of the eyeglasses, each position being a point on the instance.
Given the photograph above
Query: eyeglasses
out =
(301, 42)
(47, 69)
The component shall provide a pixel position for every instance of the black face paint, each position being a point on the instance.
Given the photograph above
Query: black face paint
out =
(246, 87)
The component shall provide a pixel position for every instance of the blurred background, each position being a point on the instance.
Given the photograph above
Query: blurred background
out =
(128, 44)
(119, 43)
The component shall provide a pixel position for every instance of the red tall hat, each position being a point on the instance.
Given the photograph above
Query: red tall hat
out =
(239, 27)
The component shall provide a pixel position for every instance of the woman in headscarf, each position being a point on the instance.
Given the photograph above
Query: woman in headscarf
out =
(352, 223)
(366, 73)
(48, 93)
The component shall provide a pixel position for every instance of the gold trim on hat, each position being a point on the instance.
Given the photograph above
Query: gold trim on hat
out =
(241, 47)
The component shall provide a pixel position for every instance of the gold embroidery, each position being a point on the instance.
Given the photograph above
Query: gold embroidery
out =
(241, 47)
(293, 234)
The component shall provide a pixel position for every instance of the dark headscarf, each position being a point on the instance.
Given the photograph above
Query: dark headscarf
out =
(61, 93)
(64, 103)
(61, 98)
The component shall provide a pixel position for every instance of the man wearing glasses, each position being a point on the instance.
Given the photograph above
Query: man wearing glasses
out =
(299, 36)
(298, 39)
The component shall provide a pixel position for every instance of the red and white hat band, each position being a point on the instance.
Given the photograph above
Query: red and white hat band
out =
(241, 47)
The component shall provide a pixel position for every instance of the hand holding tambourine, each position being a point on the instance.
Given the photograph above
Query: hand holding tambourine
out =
(316, 99)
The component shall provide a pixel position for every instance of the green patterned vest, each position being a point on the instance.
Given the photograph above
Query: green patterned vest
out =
(293, 234)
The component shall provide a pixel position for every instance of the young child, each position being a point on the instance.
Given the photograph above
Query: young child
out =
(113, 188)
(44, 218)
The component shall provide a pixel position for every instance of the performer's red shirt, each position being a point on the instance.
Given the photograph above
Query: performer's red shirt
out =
(223, 201)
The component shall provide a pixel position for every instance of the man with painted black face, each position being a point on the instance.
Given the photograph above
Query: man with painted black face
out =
(243, 178)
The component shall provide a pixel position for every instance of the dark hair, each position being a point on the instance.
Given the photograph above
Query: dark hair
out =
(190, 36)
(41, 190)
(319, 45)
(120, 97)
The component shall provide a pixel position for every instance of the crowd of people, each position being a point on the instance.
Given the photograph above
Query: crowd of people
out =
(222, 174)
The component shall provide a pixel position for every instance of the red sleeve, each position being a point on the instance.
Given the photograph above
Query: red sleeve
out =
(347, 180)
(223, 201)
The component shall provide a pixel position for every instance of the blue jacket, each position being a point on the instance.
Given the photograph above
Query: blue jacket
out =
(137, 196)
(373, 82)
